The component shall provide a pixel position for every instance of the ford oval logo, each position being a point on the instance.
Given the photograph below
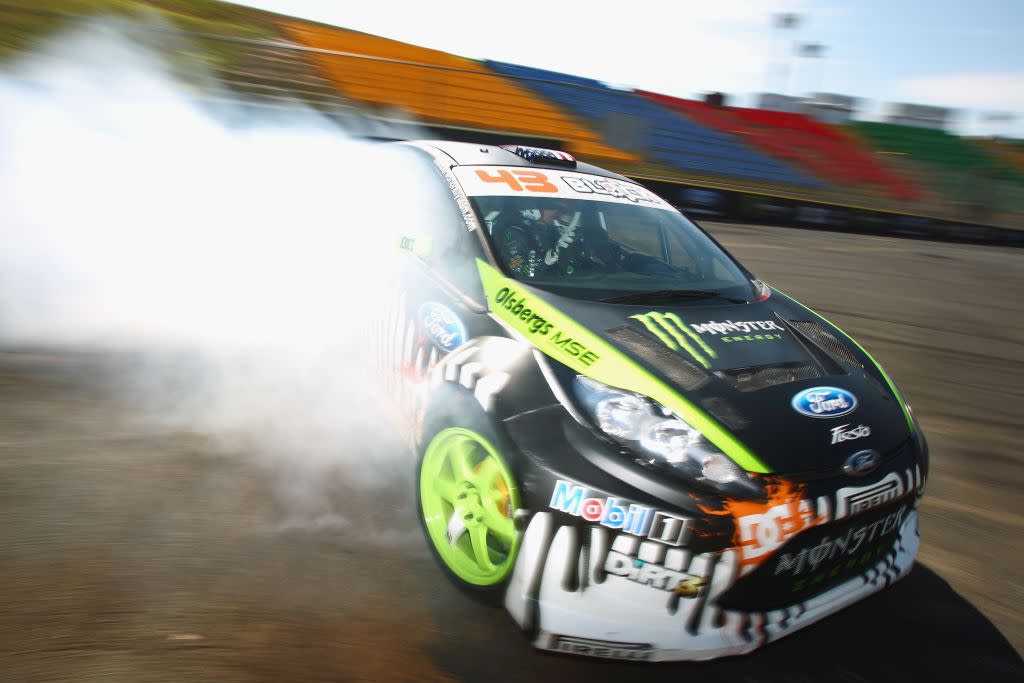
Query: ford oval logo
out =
(824, 402)
(442, 326)
(862, 462)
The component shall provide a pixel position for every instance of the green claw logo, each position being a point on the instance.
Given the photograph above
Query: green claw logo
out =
(676, 335)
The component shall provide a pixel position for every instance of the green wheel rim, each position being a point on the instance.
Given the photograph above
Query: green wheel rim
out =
(468, 497)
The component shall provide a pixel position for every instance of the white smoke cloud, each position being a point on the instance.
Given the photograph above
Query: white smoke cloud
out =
(243, 264)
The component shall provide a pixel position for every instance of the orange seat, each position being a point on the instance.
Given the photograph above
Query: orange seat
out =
(440, 87)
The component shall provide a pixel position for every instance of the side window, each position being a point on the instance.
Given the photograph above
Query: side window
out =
(437, 234)
(455, 260)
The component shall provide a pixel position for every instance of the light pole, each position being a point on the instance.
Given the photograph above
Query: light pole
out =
(814, 51)
(785, 21)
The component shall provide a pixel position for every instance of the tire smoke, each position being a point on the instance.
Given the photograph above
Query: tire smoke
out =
(237, 257)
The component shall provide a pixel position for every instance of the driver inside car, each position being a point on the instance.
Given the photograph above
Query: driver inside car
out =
(544, 240)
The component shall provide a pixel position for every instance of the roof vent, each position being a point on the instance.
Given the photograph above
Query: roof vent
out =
(539, 155)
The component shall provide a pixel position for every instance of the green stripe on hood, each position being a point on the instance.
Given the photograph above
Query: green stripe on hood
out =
(559, 336)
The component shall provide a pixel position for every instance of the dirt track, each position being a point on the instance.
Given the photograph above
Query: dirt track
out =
(131, 554)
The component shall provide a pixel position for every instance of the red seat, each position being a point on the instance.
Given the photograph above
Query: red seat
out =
(826, 152)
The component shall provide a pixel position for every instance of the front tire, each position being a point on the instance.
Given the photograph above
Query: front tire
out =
(468, 497)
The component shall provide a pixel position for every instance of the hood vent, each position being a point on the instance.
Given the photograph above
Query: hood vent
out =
(827, 342)
(658, 356)
(752, 379)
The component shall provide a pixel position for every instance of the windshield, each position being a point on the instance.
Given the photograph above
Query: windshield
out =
(614, 251)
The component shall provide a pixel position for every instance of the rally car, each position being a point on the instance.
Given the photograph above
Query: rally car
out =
(641, 449)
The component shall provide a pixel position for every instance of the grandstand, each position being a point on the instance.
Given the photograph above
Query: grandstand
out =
(441, 87)
(935, 147)
(971, 179)
(750, 163)
(1009, 152)
(671, 139)
(824, 151)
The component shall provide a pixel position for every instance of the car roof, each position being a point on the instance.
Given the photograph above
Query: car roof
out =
(474, 154)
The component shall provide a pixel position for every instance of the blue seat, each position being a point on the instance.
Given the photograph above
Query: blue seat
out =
(673, 139)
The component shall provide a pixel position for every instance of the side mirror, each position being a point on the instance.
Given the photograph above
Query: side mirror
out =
(419, 246)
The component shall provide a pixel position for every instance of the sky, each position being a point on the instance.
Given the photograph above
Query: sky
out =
(964, 55)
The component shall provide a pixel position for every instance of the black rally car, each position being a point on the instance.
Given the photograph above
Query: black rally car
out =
(643, 450)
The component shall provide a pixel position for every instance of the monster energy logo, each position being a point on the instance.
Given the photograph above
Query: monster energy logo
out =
(677, 335)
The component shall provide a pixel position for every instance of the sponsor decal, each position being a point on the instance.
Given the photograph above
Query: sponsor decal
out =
(859, 562)
(465, 209)
(824, 402)
(442, 326)
(762, 528)
(750, 337)
(420, 246)
(676, 335)
(832, 553)
(609, 649)
(611, 188)
(852, 500)
(668, 529)
(519, 306)
(518, 181)
(618, 514)
(862, 462)
(653, 574)
(844, 433)
(762, 534)
(750, 330)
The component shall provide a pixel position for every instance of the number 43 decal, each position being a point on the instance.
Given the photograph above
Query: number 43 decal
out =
(519, 180)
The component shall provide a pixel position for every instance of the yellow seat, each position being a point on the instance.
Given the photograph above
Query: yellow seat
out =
(439, 87)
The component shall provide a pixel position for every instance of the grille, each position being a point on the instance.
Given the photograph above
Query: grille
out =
(788, 576)
(661, 358)
(827, 341)
(752, 379)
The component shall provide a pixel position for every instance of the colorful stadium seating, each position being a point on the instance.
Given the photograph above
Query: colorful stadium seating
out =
(440, 87)
(825, 151)
(866, 165)
(671, 139)
(938, 148)
(1010, 152)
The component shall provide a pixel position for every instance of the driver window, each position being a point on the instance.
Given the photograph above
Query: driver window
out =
(453, 247)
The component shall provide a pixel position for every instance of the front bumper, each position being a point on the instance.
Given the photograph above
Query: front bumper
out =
(562, 596)
(584, 588)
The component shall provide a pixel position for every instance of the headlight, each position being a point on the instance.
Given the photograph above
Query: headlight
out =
(658, 436)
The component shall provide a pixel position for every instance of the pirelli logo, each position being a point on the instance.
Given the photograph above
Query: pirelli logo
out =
(853, 500)
(602, 648)
(677, 335)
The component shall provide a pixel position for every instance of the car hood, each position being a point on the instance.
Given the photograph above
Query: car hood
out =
(746, 364)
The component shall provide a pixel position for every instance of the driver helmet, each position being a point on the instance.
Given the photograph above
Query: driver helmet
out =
(551, 211)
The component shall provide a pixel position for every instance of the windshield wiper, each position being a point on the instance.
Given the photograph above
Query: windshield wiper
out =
(650, 297)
